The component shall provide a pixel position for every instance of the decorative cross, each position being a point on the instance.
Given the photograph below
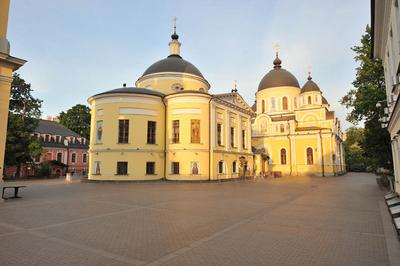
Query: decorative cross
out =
(174, 24)
(276, 48)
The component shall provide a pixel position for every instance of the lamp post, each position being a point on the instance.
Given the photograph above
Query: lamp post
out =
(66, 144)
(384, 119)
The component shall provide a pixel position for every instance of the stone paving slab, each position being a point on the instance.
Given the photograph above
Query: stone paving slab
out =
(285, 221)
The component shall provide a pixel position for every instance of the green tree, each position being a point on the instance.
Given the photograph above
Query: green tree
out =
(369, 88)
(77, 119)
(23, 118)
(355, 156)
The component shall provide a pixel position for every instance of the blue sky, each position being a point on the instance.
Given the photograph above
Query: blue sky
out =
(77, 48)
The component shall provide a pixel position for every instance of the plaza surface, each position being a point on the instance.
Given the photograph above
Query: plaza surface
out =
(286, 221)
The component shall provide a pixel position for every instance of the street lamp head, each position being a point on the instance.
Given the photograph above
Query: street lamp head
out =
(66, 142)
(378, 105)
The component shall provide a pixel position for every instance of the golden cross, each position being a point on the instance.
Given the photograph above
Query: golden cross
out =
(276, 48)
(174, 24)
(235, 85)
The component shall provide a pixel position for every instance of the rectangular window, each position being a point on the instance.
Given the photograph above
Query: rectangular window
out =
(175, 131)
(59, 157)
(99, 131)
(47, 138)
(73, 158)
(233, 137)
(150, 168)
(220, 167)
(123, 131)
(295, 102)
(282, 127)
(84, 158)
(195, 129)
(151, 132)
(219, 134)
(175, 168)
(243, 139)
(122, 168)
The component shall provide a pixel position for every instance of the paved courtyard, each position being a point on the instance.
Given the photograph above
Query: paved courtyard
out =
(287, 221)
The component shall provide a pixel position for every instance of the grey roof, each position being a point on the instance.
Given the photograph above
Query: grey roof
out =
(173, 63)
(310, 86)
(278, 77)
(132, 90)
(54, 128)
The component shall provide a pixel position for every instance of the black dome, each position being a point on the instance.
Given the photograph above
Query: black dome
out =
(278, 77)
(310, 86)
(133, 90)
(173, 63)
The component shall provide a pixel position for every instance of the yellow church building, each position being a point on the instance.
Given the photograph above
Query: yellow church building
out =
(170, 126)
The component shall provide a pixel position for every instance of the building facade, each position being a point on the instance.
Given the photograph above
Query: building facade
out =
(170, 126)
(63, 149)
(385, 23)
(8, 64)
(294, 132)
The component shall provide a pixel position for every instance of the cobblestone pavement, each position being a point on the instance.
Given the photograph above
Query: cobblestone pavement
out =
(286, 221)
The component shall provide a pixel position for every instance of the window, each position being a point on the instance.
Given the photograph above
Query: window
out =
(99, 131)
(175, 131)
(310, 157)
(309, 99)
(73, 158)
(283, 156)
(97, 168)
(151, 132)
(234, 167)
(49, 156)
(123, 131)
(59, 156)
(273, 104)
(195, 129)
(122, 168)
(150, 168)
(47, 138)
(263, 106)
(194, 166)
(219, 134)
(37, 159)
(295, 102)
(175, 168)
(220, 167)
(282, 127)
(233, 137)
(284, 103)
(84, 158)
(316, 98)
(57, 138)
(243, 138)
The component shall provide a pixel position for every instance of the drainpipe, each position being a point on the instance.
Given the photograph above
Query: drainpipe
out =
(209, 140)
(322, 153)
(165, 138)
(290, 148)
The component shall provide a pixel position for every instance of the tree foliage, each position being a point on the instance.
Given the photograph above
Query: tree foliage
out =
(369, 89)
(77, 119)
(355, 156)
(23, 118)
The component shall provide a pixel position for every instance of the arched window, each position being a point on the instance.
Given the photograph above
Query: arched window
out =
(284, 103)
(310, 157)
(234, 167)
(220, 167)
(309, 99)
(283, 156)
(262, 106)
(295, 102)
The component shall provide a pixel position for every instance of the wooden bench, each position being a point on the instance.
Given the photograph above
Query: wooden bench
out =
(16, 189)
(393, 202)
(390, 196)
(396, 222)
(395, 211)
